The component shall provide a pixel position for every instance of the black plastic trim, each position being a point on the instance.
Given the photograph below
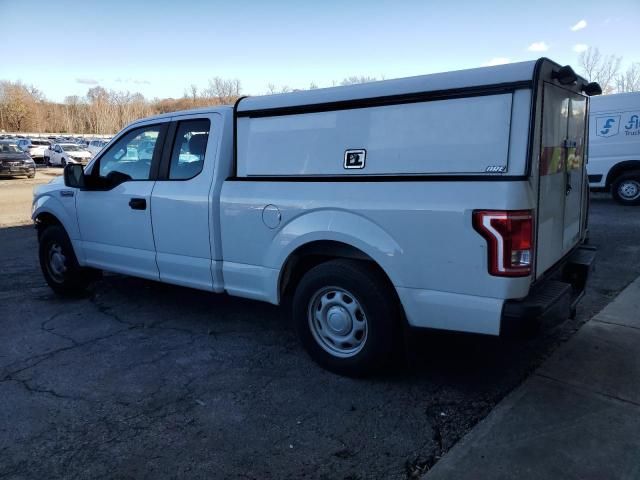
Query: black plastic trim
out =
(163, 168)
(234, 157)
(381, 178)
(595, 178)
(564, 283)
(535, 90)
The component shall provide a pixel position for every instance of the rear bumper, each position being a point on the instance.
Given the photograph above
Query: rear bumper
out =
(560, 292)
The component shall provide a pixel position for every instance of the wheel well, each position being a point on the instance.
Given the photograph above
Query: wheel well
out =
(45, 219)
(307, 256)
(620, 168)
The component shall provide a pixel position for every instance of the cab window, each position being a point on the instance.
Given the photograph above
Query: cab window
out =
(131, 156)
(189, 148)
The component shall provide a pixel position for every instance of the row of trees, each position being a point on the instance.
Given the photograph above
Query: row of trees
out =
(23, 108)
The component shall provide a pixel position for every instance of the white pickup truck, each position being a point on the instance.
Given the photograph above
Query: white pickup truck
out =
(453, 201)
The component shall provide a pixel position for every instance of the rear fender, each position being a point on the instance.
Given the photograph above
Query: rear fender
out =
(340, 226)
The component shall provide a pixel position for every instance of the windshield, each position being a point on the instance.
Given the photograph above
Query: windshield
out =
(9, 148)
(72, 148)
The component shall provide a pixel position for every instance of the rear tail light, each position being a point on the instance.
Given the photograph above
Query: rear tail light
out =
(509, 236)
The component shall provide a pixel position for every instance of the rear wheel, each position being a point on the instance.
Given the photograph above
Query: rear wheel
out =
(346, 316)
(626, 189)
(59, 264)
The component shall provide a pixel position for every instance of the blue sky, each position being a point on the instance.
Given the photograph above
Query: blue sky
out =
(159, 48)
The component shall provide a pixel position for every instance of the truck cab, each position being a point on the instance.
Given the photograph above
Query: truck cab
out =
(453, 201)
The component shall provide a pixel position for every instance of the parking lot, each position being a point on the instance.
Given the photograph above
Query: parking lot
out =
(141, 379)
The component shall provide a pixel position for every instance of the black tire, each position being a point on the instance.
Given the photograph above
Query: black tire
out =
(47, 162)
(74, 280)
(626, 188)
(63, 163)
(32, 174)
(371, 292)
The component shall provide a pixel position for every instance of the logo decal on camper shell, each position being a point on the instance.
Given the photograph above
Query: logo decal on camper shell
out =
(607, 126)
(355, 158)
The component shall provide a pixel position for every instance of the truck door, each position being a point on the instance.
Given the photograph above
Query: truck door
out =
(185, 204)
(114, 212)
(561, 175)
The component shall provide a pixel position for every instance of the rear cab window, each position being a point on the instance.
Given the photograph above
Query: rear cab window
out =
(189, 149)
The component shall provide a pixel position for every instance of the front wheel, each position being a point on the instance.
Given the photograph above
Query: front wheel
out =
(626, 189)
(59, 264)
(63, 163)
(346, 316)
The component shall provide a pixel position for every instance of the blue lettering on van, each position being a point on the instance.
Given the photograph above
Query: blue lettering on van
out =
(634, 123)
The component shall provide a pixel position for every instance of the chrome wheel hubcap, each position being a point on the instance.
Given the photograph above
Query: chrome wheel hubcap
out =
(629, 189)
(337, 322)
(57, 262)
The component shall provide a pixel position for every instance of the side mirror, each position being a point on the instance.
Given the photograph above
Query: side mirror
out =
(74, 175)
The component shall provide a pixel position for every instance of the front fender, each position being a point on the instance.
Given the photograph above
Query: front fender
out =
(340, 226)
(62, 208)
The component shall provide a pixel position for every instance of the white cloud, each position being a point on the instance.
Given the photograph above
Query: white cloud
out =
(496, 61)
(538, 47)
(87, 81)
(579, 26)
(580, 47)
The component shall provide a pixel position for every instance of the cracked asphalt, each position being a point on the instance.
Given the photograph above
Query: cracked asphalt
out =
(145, 380)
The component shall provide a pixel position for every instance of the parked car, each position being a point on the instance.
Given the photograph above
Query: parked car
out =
(23, 144)
(614, 146)
(13, 161)
(35, 147)
(95, 146)
(63, 153)
(438, 202)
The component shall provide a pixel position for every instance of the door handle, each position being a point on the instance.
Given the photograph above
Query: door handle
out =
(138, 204)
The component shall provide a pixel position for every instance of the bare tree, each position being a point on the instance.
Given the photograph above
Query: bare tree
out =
(192, 94)
(223, 90)
(272, 89)
(71, 114)
(603, 69)
(629, 81)
(353, 80)
(17, 105)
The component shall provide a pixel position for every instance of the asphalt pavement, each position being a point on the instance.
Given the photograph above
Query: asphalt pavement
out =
(145, 380)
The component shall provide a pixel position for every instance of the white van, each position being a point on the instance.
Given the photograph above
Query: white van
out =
(454, 201)
(614, 146)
